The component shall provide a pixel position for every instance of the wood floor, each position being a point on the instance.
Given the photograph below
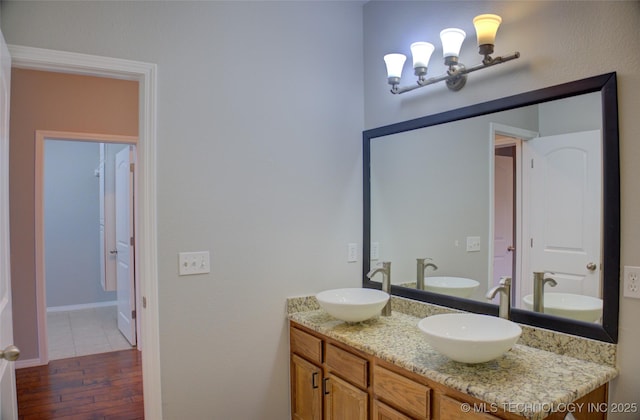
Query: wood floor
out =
(100, 386)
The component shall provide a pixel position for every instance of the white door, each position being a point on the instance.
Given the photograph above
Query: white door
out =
(101, 184)
(503, 218)
(8, 399)
(124, 247)
(565, 214)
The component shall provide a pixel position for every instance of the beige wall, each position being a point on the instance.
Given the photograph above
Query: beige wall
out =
(60, 102)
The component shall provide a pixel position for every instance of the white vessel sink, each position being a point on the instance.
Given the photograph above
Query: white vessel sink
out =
(569, 305)
(453, 286)
(353, 304)
(470, 338)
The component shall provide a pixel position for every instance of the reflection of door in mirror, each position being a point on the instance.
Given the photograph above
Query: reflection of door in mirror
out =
(508, 248)
(564, 223)
(504, 239)
(547, 211)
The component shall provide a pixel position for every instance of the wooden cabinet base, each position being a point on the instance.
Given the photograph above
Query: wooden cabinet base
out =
(331, 380)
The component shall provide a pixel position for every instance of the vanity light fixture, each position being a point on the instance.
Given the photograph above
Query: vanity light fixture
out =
(452, 38)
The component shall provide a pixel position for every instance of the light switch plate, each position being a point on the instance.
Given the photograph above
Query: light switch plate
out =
(190, 263)
(473, 243)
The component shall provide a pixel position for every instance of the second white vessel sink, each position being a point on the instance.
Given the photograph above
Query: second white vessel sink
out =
(569, 305)
(353, 304)
(453, 286)
(470, 338)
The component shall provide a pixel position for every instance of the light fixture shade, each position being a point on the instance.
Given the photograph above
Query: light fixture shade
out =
(421, 52)
(394, 63)
(486, 28)
(452, 39)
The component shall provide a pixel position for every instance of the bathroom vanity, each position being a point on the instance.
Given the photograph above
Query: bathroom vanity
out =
(384, 369)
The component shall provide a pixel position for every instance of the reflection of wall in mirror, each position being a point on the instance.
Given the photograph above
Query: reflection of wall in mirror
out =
(430, 187)
(430, 191)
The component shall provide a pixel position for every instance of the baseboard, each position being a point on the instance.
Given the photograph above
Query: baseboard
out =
(81, 306)
(19, 364)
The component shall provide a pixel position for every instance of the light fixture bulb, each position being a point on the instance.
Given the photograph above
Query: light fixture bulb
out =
(421, 52)
(452, 39)
(486, 28)
(394, 63)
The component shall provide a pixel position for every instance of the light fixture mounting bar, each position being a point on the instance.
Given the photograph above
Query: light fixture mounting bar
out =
(455, 74)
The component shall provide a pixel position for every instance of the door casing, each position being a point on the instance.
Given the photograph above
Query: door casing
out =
(146, 225)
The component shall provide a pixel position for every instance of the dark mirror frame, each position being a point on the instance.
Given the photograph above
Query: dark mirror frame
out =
(607, 85)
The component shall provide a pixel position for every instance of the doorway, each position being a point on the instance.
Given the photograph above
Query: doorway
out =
(88, 214)
(509, 210)
(146, 223)
(65, 195)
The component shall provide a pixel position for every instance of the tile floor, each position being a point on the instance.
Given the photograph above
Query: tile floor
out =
(83, 332)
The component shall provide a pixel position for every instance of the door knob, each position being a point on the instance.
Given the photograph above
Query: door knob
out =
(11, 353)
(591, 266)
(511, 248)
(113, 252)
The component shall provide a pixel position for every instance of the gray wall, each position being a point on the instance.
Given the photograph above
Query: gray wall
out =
(259, 161)
(71, 211)
(557, 40)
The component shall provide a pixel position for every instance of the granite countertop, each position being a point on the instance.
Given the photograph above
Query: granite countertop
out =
(525, 380)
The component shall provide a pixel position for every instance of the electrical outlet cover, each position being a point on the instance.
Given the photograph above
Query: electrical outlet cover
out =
(631, 282)
(352, 252)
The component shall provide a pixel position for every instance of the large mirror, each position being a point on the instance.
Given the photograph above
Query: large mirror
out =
(512, 187)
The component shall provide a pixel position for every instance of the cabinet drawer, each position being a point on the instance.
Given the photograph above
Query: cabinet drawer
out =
(306, 345)
(349, 366)
(451, 409)
(403, 393)
(381, 411)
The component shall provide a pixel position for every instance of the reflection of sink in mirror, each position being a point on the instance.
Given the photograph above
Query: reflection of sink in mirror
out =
(453, 286)
(470, 338)
(569, 305)
(353, 304)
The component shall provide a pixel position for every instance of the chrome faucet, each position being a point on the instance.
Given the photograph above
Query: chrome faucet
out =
(422, 266)
(538, 289)
(386, 283)
(504, 287)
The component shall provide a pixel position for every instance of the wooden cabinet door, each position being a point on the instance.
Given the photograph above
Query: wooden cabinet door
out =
(306, 392)
(344, 401)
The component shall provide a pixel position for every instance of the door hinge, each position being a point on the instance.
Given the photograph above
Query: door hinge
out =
(133, 314)
(531, 163)
(131, 166)
(144, 301)
(531, 240)
(131, 241)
